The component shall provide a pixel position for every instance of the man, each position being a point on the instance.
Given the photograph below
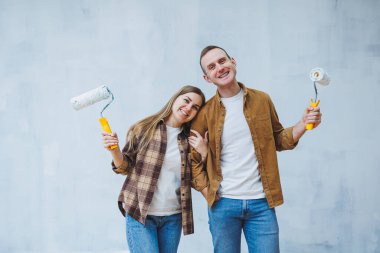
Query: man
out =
(240, 178)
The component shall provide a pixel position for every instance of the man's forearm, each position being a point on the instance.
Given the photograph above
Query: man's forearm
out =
(298, 130)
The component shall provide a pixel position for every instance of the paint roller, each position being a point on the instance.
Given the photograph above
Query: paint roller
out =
(318, 76)
(91, 97)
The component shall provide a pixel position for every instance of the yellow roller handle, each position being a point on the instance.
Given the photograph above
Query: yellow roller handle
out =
(310, 126)
(106, 127)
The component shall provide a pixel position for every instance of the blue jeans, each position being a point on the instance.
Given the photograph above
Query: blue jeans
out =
(228, 217)
(161, 234)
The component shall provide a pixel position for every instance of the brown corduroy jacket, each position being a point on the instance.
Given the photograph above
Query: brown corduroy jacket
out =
(142, 171)
(267, 133)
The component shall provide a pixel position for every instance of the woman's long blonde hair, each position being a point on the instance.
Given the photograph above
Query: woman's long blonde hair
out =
(141, 133)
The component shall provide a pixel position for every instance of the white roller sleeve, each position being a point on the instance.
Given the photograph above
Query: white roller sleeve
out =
(90, 97)
(319, 76)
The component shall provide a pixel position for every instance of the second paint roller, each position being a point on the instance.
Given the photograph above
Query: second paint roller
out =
(318, 76)
(91, 97)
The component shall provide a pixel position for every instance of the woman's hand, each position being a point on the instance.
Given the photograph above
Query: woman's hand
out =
(110, 140)
(199, 143)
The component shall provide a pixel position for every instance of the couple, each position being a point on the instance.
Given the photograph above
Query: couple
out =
(232, 162)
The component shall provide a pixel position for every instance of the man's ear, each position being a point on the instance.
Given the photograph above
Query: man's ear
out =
(207, 78)
(233, 61)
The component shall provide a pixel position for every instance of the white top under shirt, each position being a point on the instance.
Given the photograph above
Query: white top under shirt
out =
(166, 198)
(241, 177)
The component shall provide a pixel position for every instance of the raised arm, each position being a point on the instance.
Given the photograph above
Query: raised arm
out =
(288, 138)
(310, 115)
(124, 160)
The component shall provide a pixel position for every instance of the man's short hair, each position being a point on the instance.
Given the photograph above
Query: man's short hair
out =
(206, 50)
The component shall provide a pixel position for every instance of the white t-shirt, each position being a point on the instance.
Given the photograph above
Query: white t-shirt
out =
(166, 198)
(241, 177)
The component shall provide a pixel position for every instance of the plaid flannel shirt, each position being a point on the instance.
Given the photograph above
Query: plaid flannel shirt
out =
(142, 171)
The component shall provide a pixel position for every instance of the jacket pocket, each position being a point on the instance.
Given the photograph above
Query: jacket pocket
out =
(264, 126)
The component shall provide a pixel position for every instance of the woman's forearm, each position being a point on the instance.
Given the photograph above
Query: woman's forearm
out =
(117, 157)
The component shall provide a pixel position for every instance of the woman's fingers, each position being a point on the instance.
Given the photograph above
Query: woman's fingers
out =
(198, 136)
(206, 136)
(196, 133)
(192, 142)
(109, 139)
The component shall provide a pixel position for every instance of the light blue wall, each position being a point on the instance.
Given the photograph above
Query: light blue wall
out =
(57, 190)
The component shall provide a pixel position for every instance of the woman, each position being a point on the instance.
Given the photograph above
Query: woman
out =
(156, 195)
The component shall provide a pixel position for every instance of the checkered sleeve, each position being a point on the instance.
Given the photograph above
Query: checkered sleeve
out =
(129, 156)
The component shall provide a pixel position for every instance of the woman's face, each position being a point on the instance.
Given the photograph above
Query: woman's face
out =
(185, 107)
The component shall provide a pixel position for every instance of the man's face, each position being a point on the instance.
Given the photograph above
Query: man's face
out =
(218, 68)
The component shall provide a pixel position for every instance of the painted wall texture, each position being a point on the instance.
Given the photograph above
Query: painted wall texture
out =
(57, 190)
